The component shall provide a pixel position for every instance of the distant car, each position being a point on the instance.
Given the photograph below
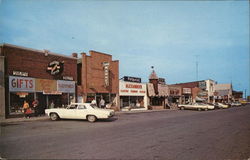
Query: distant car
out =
(236, 104)
(196, 106)
(223, 106)
(79, 111)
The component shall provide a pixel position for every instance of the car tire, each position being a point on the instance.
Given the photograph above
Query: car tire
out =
(182, 108)
(199, 109)
(54, 116)
(206, 109)
(91, 118)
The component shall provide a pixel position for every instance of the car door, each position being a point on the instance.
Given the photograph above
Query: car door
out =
(70, 112)
(81, 112)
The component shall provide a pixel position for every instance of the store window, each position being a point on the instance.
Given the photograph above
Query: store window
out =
(17, 99)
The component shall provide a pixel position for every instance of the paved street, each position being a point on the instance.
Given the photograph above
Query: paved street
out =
(217, 134)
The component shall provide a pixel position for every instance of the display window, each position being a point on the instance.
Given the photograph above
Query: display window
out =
(17, 99)
(132, 101)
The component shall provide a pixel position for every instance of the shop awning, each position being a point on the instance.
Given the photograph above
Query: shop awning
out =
(162, 89)
(199, 99)
(52, 93)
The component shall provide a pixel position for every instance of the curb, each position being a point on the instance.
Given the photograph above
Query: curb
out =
(13, 120)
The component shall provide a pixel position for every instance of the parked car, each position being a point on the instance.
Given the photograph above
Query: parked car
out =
(223, 106)
(197, 106)
(79, 111)
(235, 104)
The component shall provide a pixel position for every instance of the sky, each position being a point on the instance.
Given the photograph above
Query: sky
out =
(169, 35)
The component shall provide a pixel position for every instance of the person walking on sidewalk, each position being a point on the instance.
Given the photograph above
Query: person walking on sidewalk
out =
(27, 110)
(35, 104)
(102, 103)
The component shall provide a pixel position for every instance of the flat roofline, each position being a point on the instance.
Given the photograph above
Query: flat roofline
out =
(99, 52)
(36, 50)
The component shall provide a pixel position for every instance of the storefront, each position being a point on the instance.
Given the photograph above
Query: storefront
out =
(21, 89)
(41, 75)
(133, 96)
(99, 79)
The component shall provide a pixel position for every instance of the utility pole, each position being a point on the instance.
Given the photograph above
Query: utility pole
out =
(197, 65)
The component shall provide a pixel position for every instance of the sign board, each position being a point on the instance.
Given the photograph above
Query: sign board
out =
(162, 81)
(132, 79)
(24, 84)
(106, 73)
(55, 67)
(202, 85)
(46, 85)
(68, 78)
(66, 86)
(19, 73)
(132, 89)
(186, 91)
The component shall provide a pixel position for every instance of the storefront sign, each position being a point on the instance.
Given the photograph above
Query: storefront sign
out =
(186, 90)
(202, 85)
(21, 84)
(132, 79)
(162, 81)
(139, 86)
(68, 78)
(46, 85)
(106, 73)
(132, 89)
(19, 73)
(66, 86)
(55, 67)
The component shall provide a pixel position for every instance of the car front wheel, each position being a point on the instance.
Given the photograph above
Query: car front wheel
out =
(91, 118)
(54, 116)
(182, 108)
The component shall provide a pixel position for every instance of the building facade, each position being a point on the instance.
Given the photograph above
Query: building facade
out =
(158, 92)
(223, 93)
(133, 96)
(98, 77)
(35, 74)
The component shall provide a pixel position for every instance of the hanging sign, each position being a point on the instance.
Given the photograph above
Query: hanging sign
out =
(55, 67)
(106, 73)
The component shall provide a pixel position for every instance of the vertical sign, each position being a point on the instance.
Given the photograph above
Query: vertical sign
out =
(106, 73)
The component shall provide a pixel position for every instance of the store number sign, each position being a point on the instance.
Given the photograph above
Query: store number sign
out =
(21, 84)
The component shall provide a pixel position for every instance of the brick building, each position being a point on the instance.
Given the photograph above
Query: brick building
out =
(197, 90)
(98, 77)
(36, 74)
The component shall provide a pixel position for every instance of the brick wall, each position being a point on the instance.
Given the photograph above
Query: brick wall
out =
(93, 73)
(35, 62)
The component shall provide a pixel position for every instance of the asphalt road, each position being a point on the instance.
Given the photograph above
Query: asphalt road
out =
(217, 134)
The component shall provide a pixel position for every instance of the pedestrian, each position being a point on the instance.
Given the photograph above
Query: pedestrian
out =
(102, 103)
(26, 109)
(35, 104)
(93, 103)
(52, 104)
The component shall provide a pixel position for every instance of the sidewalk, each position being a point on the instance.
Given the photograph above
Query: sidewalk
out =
(45, 117)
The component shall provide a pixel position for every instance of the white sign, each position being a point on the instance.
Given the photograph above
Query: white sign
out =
(66, 86)
(187, 90)
(132, 89)
(24, 84)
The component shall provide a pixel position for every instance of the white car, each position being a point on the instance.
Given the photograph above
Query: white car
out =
(79, 111)
(198, 106)
(236, 104)
(223, 106)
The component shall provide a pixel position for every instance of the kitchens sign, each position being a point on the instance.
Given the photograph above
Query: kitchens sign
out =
(132, 79)
(55, 67)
